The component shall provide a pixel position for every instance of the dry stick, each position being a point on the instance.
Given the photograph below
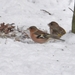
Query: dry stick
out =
(71, 9)
(18, 29)
(25, 34)
(46, 11)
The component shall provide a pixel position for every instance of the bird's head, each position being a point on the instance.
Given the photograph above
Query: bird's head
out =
(32, 29)
(53, 24)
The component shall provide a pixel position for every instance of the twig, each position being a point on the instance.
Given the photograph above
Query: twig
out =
(25, 34)
(46, 11)
(71, 9)
(20, 29)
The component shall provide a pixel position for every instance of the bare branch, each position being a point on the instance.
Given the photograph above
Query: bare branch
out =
(46, 11)
(71, 9)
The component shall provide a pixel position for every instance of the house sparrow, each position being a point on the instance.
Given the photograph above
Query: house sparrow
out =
(40, 36)
(56, 29)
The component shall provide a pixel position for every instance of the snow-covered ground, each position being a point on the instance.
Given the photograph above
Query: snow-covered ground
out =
(51, 58)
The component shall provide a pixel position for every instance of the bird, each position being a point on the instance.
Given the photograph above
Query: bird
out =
(56, 29)
(40, 36)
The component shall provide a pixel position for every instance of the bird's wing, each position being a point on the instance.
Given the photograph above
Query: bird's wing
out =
(41, 34)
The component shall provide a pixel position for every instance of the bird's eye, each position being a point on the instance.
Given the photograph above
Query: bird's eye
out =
(31, 27)
(51, 24)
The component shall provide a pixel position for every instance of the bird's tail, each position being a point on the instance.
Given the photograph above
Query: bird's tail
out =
(53, 36)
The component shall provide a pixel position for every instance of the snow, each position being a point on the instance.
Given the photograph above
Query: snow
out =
(29, 58)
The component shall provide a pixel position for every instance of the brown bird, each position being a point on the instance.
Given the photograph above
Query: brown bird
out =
(55, 29)
(40, 36)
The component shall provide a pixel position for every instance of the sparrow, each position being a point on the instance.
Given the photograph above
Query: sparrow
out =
(40, 36)
(55, 29)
